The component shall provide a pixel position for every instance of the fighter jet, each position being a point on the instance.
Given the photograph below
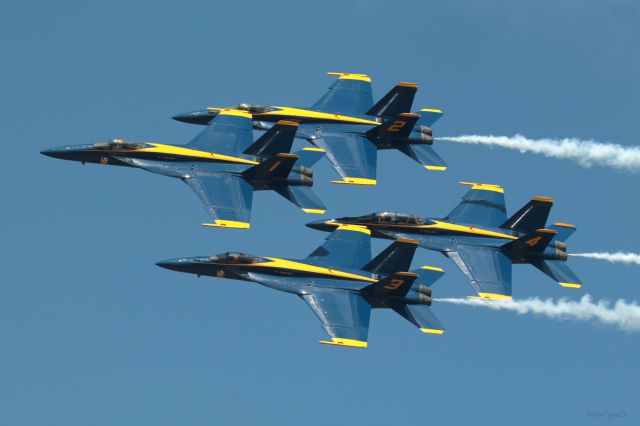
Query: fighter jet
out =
(339, 282)
(222, 165)
(349, 128)
(480, 239)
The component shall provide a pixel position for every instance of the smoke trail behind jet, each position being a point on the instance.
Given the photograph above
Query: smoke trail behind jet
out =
(624, 315)
(584, 152)
(617, 257)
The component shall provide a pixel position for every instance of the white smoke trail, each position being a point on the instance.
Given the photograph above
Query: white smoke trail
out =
(585, 152)
(617, 257)
(625, 316)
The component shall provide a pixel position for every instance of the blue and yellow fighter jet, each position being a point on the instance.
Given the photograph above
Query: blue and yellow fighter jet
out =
(349, 128)
(480, 239)
(223, 165)
(339, 281)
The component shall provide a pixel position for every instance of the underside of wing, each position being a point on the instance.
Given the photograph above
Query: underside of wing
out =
(344, 315)
(348, 246)
(487, 269)
(350, 94)
(482, 205)
(227, 197)
(354, 157)
(231, 132)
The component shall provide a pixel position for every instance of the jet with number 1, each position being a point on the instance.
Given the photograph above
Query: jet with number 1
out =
(480, 239)
(222, 165)
(339, 282)
(349, 128)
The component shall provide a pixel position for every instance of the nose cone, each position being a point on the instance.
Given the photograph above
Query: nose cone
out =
(180, 265)
(196, 117)
(323, 225)
(60, 152)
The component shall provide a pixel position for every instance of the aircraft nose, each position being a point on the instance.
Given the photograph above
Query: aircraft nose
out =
(174, 264)
(54, 152)
(322, 225)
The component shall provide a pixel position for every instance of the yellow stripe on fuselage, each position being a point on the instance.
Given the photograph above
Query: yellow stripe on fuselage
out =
(275, 263)
(186, 152)
(445, 226)
(294, 113)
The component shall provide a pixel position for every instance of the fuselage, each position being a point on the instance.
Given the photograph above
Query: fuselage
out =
(433, 234)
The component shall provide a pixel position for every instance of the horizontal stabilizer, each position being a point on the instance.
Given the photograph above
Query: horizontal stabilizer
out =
(428, 275)
(425, 155)
(564, 230)
(429, 116)
(421, 316)
(559, 271)
(309, 156)
(532, 216)
(536, 241)
(396, 257)
(396, 101)
(277, 167)
(303, 197)
(279, 138)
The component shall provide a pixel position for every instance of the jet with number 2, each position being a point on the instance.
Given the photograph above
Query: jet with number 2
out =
(349, 128)
(480, 239)
(339, 282)
(222, 165)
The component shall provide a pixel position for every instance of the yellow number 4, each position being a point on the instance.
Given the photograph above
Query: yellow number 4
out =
(532, 242)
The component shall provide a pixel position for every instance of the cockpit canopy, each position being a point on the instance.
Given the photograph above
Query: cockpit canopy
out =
(392, 218)
(119, 144)
(235, 258)
(254, 108)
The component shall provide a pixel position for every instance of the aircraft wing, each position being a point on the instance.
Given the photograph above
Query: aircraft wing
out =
(488, 270)
(344, 315)
(230, 132)
(349, 95)
(353, 156)
(482, 205)
(226, 197)
(348, 246)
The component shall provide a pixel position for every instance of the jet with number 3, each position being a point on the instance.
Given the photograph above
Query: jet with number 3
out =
(339, 282)
(480, 239)
(222, 165)
(350, 128)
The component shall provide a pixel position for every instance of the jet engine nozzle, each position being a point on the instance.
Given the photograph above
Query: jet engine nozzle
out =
(423, 289)
(560, 245)
(414, 298)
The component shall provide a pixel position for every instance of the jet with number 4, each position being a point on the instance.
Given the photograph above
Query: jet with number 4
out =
(339, 282)
(222, 165)
(349, 128)
(480, 239)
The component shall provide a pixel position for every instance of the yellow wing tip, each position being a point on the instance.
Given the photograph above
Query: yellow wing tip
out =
(355, 181)
(438, 168)
(228, 224)
(571, 285)
(338, 341)
(354, 228)
(432, 268)
(313, 149)
(437, 111)
(565, 225)
(491, 296)
(351, 76)
(484, 186)
(432, 331)
(314, 211)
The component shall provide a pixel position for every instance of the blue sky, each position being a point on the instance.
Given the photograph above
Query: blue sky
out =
(94, 333)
